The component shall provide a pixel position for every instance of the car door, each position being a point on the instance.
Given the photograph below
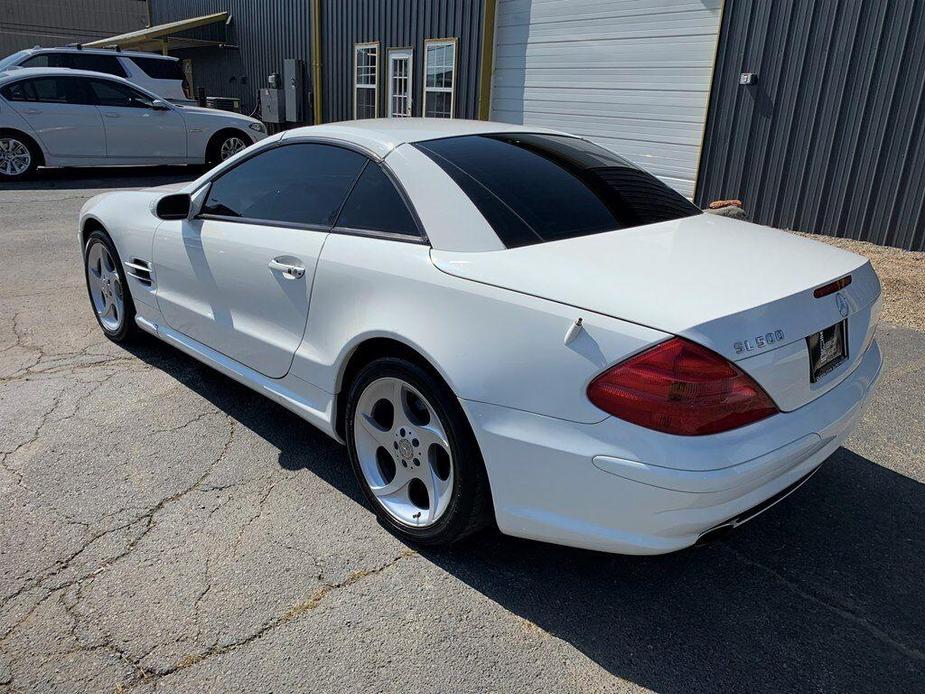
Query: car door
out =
(61, 114)
(135, 129)
(238, 277)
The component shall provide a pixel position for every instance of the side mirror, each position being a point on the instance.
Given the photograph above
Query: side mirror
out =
(160, 105)
(175, 206)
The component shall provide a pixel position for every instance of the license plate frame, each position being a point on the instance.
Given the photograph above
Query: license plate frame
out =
(828, 349)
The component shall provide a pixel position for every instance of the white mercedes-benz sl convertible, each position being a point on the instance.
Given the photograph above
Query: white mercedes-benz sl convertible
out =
(504, 325)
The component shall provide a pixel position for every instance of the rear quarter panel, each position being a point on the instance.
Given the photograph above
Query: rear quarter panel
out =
(491, 345)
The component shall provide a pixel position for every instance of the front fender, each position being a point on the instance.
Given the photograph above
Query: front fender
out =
(128, 218)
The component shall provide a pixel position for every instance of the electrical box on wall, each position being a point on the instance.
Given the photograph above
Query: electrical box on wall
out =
(293, 85)
(272, 105)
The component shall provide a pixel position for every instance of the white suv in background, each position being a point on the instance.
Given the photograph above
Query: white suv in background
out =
(160, 74)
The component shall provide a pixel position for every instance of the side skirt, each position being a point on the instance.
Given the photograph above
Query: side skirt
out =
(311, 403)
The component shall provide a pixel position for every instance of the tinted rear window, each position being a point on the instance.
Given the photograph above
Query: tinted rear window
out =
(78, 61)
(534, 188)
(159, 68)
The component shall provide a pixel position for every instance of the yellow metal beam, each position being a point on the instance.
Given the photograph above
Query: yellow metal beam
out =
(486, 63)
(317, 114)
(161, 31)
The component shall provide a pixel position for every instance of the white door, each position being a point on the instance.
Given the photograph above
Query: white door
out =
(62, 115)
(135, 130)
(238, 278)
(400, 83)
(632, 79)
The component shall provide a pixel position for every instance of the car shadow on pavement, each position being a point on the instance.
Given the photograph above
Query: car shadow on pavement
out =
(823, 592)
(108, 177)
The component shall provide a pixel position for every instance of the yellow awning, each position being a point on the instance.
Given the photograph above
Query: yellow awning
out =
(159, 38)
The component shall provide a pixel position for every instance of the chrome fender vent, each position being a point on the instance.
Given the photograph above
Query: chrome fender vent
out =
(140, 270)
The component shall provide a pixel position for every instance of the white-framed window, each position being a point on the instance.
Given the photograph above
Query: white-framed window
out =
(439, 77)
(366, 80)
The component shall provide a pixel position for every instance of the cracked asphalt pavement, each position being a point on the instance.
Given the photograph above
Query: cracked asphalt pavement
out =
(164, 528)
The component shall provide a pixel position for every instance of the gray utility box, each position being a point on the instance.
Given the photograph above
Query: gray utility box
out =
(272, 105)
(294, 84)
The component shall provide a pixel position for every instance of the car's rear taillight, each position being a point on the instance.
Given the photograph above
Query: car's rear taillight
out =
(679, 387)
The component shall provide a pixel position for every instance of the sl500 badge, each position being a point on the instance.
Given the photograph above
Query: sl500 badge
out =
(758, 342)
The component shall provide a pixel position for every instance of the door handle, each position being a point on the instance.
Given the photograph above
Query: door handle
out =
(111, 115)
(31, 111)
(288, 270)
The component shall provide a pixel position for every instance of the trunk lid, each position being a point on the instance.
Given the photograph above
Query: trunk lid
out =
(742, 290)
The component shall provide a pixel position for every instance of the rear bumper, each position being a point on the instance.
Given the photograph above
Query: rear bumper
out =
(616, 487)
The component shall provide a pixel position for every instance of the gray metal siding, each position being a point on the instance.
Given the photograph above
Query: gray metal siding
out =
(398, 24)
(265, 32)
(831, 139)
(26, 23)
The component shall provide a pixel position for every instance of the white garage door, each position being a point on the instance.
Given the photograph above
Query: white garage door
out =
(633, 75)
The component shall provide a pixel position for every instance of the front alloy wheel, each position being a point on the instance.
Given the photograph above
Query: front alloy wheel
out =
(106, 285)
(231, 145)
(414, 454)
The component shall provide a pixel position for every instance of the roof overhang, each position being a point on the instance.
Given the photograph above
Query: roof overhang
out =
(162, 37)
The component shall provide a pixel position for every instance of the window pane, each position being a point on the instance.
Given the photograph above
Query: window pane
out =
(50, 90)
(366, 102)
(112, 94)
(159, 68)
(375, 204)
(438, 105)
(441, 59)
(303, 184)
(366, 66)
(19, 91)
(534, 188)
(96, 63)
(40, 60)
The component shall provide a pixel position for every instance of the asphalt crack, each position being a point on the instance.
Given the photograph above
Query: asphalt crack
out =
(294, 612)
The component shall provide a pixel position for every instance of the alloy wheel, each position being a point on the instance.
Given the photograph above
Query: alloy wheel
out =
(231, 146)
(404, 452)
(15, 158)
(105, 286)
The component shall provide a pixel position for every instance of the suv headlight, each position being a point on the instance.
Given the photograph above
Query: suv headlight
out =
(258, 127)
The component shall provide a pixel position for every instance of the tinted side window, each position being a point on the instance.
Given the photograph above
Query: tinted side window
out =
(40, 60)
(300, 184)
(375, 204)
(18, 91)
(96, 63)
(533, 188)
(78, 61)
(159, 69)
(114, 94)
(49, 90)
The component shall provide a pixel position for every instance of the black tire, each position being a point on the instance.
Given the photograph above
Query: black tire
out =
(470, 507)
(12, 138)
(127, 328)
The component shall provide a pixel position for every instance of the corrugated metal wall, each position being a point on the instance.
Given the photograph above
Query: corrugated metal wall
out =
(831, 139)
(265, 33)
(397, 24)
(26, 23)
